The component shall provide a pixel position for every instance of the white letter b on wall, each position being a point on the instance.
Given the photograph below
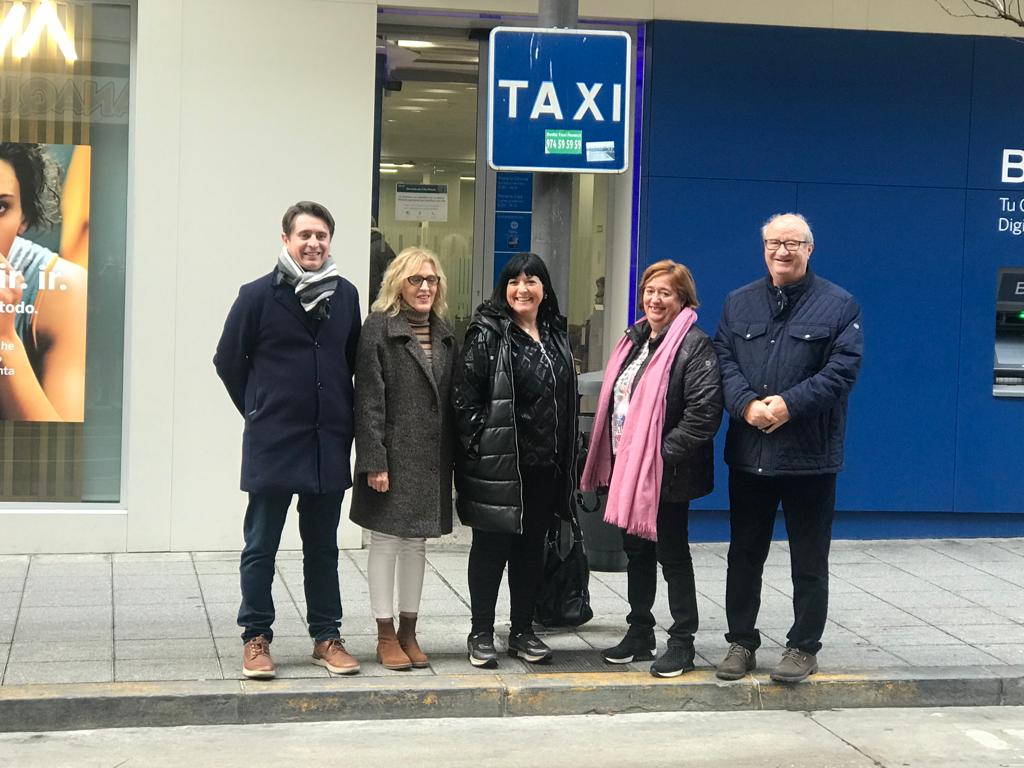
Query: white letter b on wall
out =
(1013, 160)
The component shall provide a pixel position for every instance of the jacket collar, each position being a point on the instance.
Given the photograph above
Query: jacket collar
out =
(284, 294)
(781, 299)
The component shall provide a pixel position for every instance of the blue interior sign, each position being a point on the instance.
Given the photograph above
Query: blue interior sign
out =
(558, 100)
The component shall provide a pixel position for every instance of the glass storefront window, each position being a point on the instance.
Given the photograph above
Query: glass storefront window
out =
(64, 91)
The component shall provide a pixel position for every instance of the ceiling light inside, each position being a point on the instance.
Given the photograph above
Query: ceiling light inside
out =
(416, 44)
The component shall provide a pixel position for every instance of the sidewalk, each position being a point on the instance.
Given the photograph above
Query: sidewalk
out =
(150, 639)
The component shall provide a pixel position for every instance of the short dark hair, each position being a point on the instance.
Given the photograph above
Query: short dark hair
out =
(39, 178)
(532, 265)
(310, 208)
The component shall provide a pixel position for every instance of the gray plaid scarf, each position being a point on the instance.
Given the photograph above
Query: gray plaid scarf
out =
(313, 288)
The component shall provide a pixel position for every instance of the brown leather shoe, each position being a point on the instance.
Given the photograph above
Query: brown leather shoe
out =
(407, 640)
(256, 661)
(389, 652)
(332, 655)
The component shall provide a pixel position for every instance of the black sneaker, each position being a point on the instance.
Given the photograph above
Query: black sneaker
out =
(674, 661)
(481, 650)
(528, 646)
(632, 647)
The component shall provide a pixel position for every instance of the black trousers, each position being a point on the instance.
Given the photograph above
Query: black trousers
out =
(672, 550)
(524, 554)
(808, 503)
(318, 526)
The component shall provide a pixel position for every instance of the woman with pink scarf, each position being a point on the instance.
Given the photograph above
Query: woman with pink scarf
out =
(659, 409)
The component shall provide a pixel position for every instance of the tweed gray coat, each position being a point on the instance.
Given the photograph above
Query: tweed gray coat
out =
(405, 426)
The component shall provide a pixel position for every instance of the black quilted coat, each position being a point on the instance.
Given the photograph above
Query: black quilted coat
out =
(487, 478)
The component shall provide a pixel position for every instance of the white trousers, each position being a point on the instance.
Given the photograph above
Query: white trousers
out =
(395, 559)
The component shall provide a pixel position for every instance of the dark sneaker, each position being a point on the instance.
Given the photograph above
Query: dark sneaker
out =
(481, 650)
(528, 647)
(631, 648)
(674, 661)
(256, 661)
(795, 666)
(737, 662)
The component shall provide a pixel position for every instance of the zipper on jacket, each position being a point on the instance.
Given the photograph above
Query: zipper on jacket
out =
(554, 392)
(515, 429)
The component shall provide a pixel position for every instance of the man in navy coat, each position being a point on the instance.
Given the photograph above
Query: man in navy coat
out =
(286, 357)
(789, 347)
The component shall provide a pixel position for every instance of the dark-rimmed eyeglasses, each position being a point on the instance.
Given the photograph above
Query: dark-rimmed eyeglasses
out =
(791, 245)
(418, 280)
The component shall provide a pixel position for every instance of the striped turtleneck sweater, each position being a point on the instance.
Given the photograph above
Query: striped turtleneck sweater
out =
(420, 324)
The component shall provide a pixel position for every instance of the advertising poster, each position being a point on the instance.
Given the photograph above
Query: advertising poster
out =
(44, 262)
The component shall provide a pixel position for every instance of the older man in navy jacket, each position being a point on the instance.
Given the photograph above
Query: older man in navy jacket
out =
(789, 347)
(286, 357)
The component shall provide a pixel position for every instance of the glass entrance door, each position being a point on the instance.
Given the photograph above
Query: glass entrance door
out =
(427, 168)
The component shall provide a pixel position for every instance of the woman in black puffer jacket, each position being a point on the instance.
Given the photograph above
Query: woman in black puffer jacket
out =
(516, 409)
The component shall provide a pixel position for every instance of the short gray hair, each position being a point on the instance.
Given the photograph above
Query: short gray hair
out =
(807, 226)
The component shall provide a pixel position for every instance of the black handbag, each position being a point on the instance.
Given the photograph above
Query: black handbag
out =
(564, 599)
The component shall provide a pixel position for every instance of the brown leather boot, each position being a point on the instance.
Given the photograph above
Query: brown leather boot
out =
(407, 639)
(389, 652)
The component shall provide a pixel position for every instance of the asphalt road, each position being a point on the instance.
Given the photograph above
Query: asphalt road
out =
(979, 737)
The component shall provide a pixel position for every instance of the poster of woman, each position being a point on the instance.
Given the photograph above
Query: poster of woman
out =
(44, 251)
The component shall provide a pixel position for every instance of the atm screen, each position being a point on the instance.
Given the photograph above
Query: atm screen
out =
(1011, 286)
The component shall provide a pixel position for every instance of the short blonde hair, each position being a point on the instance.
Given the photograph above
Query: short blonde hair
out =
(406, 264)
(679, 276)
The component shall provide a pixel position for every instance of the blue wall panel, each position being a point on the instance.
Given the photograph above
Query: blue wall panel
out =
(997, 112)
(885, 142)
(790, 104)
(899, 251)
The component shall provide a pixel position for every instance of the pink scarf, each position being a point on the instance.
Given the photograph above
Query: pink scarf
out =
(634, 485)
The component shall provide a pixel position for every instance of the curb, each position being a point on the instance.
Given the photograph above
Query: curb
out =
(224, 702)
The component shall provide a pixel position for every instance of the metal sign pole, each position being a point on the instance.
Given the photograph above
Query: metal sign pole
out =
(552, 192)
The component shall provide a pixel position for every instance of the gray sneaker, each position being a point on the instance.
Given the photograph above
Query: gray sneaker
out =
(737, 662)
(795, 666)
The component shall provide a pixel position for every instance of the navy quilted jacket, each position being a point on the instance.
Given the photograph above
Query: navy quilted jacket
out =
(803, 343)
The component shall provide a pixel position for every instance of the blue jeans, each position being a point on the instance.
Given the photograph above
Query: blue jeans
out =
(318, 526)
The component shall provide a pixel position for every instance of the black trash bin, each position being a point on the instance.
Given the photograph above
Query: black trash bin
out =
(603, 541)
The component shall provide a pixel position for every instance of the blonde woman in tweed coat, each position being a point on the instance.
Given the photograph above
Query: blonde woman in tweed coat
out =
(405, 437)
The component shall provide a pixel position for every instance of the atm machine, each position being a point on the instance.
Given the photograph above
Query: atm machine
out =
(1008, 367)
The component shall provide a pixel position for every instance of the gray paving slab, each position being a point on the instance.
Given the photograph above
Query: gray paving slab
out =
(844, 657)
(889, 617)
(138, 670)
(36, 650)
(900, 636)
(84, 623)
(1008, 653)
(216, 567)
(39, 673)
(36, 597)
(214, 556)
(5, 649)
(12, 583)
(14, 567)
(942, 655)
(981, 634)
(145, 558)
(140, 650)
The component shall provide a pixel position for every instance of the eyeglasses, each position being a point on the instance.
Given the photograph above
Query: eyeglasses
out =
(791, 245)
(418, 280)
